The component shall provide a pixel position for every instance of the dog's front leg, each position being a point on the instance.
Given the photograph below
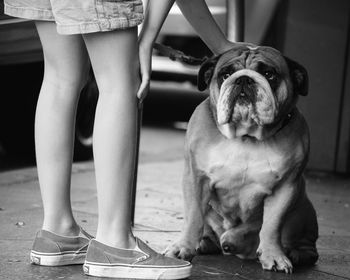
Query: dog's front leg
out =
(270, 250)
(196, 195)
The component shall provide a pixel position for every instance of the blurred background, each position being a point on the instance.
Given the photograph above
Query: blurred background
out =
(315, 33)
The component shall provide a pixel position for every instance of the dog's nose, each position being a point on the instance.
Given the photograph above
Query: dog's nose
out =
(244, 80)
(228, 247)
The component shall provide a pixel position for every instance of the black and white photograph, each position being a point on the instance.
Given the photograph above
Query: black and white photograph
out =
(175, 139)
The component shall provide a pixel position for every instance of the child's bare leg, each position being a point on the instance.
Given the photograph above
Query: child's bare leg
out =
(114, 58)
(66, 66)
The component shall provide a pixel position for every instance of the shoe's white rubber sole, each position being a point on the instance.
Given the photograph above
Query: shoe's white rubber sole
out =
(137, 272)
(56, 259)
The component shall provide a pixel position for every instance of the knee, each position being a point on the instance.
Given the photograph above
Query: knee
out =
(61, 89)
(121, 82)
(119, 87)
(66, 78)
(66, 82)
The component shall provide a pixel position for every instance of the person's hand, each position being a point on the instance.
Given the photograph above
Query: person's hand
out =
(226, 45)
(145, 57)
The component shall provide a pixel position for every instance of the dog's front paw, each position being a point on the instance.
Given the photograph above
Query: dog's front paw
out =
(272, 258)
(181, 250)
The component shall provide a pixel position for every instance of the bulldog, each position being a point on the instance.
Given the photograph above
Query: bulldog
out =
(246, 149)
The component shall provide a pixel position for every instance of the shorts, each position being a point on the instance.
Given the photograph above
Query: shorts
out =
(79, 16)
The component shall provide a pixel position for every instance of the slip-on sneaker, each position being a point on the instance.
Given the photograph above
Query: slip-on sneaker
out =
(141, 262)
(50, 249)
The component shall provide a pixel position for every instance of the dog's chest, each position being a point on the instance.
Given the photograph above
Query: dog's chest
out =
(241, 175)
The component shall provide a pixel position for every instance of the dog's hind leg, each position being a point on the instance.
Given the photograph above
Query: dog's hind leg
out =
(300, 234)
(213, 229)
(209, 244)
(304, 252)
(303, 255)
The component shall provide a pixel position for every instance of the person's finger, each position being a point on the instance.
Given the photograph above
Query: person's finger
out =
(144, 87)
(142, 97)
(144, 82)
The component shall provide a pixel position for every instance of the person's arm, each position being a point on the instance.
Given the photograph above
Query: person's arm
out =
(156, 12)
(198, 15)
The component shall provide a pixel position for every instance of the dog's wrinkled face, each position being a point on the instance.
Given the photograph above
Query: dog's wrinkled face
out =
(252, 89)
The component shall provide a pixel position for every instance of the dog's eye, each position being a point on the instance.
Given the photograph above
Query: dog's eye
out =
(270, 75)
(226, 76)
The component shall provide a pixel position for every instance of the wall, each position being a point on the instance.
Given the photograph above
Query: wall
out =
(316, 33)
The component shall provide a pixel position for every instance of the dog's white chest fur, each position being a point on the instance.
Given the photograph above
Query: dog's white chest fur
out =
(241, 174)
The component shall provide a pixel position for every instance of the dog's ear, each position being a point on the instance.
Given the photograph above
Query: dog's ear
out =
(299, 77)
(206, 72)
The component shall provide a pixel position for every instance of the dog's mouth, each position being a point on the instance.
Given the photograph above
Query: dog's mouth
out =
(246, 105)
(242, 109)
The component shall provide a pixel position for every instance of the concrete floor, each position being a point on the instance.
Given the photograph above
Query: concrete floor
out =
(159, 216)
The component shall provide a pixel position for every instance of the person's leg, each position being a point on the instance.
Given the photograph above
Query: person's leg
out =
(114, 59)
(115, 252)
(66, 69)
